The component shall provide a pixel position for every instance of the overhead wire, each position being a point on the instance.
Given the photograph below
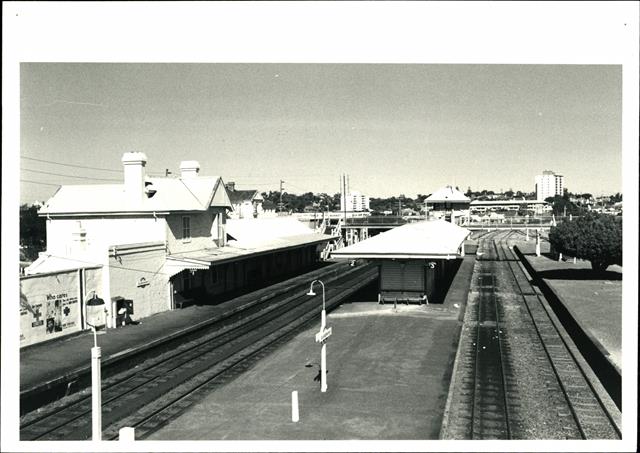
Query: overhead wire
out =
(38, 182)
(70, 165)
(70, 176)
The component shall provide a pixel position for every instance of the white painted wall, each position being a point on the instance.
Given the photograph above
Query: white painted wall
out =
(246, 209)
(204, 231)
(101, 232)
(125, 274)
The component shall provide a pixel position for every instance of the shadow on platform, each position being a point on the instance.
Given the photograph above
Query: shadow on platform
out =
(579, 274)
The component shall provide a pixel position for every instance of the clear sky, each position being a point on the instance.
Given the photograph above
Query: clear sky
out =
(394, 128)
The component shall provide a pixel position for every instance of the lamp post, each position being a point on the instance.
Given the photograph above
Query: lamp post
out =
(96, 388)
(321, 337)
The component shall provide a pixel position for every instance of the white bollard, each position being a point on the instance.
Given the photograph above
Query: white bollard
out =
(295, 413)
(127, 434)
(560, 257)
(96, 394)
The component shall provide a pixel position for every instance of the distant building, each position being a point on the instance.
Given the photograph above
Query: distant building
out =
(482, 206)
(355, 202)
(448, 203)
(246, 204)
(549, 184)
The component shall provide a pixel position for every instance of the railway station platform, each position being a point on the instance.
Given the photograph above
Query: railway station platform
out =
(594, 301)
(61, 361)
(596, 304)
(386, 358)
(388, 377)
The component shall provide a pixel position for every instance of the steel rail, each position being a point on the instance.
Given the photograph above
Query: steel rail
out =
(476, 430)
(273, 338)
(570, 352)
(203, 346)
(501, 358)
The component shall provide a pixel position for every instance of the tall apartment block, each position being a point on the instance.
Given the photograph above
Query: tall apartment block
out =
(355, 201)
(549, 184)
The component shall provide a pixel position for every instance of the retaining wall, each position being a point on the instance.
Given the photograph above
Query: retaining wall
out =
(591, 349)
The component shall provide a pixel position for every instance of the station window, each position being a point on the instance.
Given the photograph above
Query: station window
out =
(186, 228)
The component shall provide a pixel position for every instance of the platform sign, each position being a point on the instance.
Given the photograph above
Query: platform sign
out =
(323, 335)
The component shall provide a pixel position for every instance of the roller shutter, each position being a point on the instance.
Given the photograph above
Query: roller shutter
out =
(391, 276)
(402, 276)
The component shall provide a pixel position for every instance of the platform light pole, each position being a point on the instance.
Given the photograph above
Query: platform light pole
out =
(96, 388)
(322, 336)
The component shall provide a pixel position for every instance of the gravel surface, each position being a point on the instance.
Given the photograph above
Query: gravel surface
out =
(538, 408)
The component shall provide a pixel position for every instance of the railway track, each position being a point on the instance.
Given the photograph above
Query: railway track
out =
(507, 319)
(485, 400)
(155, 391)
(589, 412)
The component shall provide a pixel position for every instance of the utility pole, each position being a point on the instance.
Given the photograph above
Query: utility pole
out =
(344, 197)
(280, 205)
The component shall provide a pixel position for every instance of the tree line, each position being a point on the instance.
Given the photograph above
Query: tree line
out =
(33, 233)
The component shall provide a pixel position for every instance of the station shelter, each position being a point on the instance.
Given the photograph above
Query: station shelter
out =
(414, 260)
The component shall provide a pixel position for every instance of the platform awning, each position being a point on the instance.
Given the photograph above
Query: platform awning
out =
(251, 238)
(47, 262)
(237, 250)
(174, 265)
(431, 239)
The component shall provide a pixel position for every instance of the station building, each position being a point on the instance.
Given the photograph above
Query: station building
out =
(151, 243)
(414, 260)
(447, 203)
(246, 203)
(533, 206)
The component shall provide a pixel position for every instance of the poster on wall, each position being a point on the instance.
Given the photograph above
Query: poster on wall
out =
(54, 314)
(49, 307)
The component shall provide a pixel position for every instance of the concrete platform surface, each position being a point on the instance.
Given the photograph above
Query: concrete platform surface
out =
(595, 302)
(388, 377)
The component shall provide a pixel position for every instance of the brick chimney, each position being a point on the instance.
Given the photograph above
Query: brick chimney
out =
(189, 169)
(134, 174)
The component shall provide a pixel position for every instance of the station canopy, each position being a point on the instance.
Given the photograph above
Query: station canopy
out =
(249, 238)
(430, 239)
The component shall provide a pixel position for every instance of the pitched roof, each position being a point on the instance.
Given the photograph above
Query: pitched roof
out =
(446, 194)
(427, 239)
(172, 194)
(238, 196)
